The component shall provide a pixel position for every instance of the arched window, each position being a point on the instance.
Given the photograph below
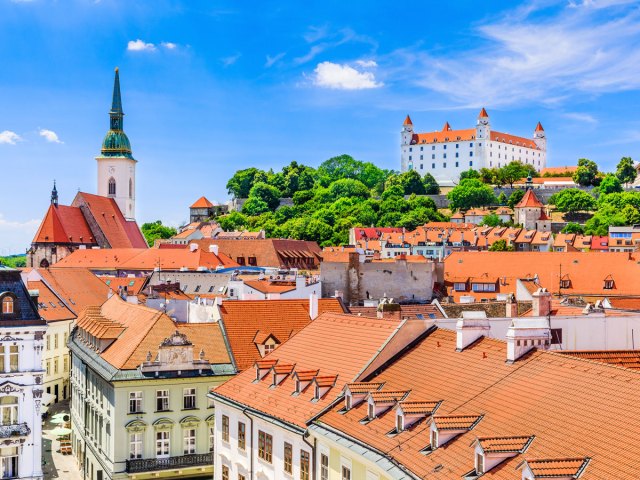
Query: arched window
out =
(112, 186)
(7, 305)
(9, 410)
(130, 188)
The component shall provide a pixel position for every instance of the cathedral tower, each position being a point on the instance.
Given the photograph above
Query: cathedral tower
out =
(116, 165)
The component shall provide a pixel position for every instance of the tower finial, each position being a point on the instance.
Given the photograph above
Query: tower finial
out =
(116, 103)
(54, 195)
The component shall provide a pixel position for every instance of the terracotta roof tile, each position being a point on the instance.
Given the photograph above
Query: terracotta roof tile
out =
(514, 444)
(418, 408)
(363, 387)
(388, 396)
(63, 224)
(456, 422)
(202, 202)
(557, 467)
(529, 200)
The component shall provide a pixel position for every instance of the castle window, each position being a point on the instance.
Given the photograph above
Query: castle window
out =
(112, 186)
(130, 188)
(433, 157)
(471, 144)
(456, 164)
(445, 147)
(457, 154)
(421, 166)
(471, 163)
(433, 147)
(421, 149)
(409, 157)
(7, 305)
(457, 144)
(444, 165)
(444, 155)
(410, 149)
(421, 157)
(433, 165)
(471, 154)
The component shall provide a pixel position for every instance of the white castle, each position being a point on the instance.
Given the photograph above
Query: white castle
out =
(447, 153)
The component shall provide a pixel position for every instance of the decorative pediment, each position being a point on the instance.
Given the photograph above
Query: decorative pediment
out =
(9, 387)
(163, 424)
(210, 420)
(189, 421)
(136, 426)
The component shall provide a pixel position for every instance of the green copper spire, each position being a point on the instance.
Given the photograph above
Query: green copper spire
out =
(116, 143)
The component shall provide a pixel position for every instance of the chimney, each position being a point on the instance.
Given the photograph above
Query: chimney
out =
(313, 306)
(512, 306)
(213, 249)
(193, 247)
(541, 302)
(524, 334)
(471, 327)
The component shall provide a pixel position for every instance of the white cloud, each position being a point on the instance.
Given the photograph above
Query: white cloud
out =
(581, 117)
(524, 58)
(366, 63)
(9, 137)
(273, 60)
(140, 46)
(16, 236)
(343, 77)
(316, 33)
(49, 135)
(169, 45)
(230, 60)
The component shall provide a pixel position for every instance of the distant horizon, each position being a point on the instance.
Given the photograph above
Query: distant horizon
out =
(208, 90)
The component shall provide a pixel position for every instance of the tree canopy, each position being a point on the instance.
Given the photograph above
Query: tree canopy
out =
(587, 173)
(626, 171)
(153, 231)
(573, 200)
(470, 193)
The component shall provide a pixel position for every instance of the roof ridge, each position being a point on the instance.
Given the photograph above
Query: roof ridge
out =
(593, 362)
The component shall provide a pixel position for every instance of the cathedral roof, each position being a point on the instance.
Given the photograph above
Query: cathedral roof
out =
(64, 224)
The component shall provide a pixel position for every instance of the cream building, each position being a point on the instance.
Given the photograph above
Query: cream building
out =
(447, 153)
(139, 384)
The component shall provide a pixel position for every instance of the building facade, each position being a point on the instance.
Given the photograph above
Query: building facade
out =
(22, 375)
(139, 383)
(447, 153)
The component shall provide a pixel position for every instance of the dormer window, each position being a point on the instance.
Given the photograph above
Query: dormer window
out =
(347, 402)
(609, 283)
(372, 411)
(565, 282)
(268, 348)
(399, 423)
(479, 463)
(434, 439)
(7, 305)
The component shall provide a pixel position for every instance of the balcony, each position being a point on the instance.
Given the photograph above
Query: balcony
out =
(16, 430)
(152, 464)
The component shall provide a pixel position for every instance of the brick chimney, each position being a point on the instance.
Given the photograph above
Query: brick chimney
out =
(541, 303)
(471, 327)
(512, 306)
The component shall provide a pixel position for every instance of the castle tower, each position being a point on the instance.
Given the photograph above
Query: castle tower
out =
(116, 165)
(483, 137)
(406, 139)
(540, 138)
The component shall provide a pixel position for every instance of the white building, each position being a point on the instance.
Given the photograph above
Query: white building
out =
(22, 332)
(447, 153)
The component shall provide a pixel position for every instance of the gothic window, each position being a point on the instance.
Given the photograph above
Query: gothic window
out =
(112, 186)
(130, 188)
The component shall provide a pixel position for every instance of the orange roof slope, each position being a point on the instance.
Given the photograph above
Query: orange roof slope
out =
(175, 259)
(483, 113)
(50, 307)
(529, 200)
(98, 259)
(445, 136)
(513, 139)
(119, 232)
(78, 287)
(338, 345)
(556, 170)
(243, 319)
(566, 407)
(139, 330)
(63, 224)
(202, 202)
(621, 358)
(407, 121)
(587, 271)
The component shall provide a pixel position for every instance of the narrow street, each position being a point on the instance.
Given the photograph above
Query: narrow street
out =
(54, 464)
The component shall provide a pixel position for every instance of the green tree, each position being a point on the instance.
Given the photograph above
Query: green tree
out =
(471, 173)
(515, 198)
(604, 218)
(345, 166)
(240, 184)
(515, 171)
(255, 206)
(573, 200)
(470, 193)
(502, 199)
(572, 227)
(232, 221)
(347, 187)
(501, 246)
(265, 192)
(586, 173)
(609, 184)
(431, 186)
(626, 170)
(153, 231)
(491, 220)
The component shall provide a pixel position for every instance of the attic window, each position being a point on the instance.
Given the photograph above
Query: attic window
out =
(479, 463)
(372, 411)
(7, 305)
(269, 347)
(565, 282)
(434, 439)
(399, 423)
(608, 283)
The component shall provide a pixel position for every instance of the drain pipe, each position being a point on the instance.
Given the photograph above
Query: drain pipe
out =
(244, 412)
(313, 453)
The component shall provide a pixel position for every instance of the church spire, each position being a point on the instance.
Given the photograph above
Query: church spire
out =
(54, 195)
(116, 104)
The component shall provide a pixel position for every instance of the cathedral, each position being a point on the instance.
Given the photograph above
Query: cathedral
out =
(105, 220)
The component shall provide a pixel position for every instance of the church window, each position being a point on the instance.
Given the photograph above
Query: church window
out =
(112, 186)
(130, 188)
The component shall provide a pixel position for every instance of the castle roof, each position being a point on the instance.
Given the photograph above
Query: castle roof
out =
(539, 127)
(483, 113)
(407, 121)
(529, 200)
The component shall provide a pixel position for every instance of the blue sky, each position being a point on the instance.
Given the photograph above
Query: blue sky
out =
(212, 86)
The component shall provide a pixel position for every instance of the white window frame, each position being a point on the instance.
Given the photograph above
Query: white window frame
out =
(163, 397)
(163, 444)
(135, 400)
(135, 445)
(189, 436)
(189, 393)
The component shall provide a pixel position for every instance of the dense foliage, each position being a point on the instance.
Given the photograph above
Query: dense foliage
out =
(156, 230)
(341, 193)
(14, 261)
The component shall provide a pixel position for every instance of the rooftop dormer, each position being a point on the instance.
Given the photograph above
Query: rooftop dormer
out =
(303, 378)
(444, 428)
(322, 384)
(280, 371)
(263, 367)
(492, 451)
(356, 392)
(410, 413)
(382, 400)
(558, 468)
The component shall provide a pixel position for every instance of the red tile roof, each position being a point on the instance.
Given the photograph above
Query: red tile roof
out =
(483, 113)
(621, 358)
(243, 319)
(539, 127)
(547, 405)
(407, 121)
(202, 202)
(98, 259)
(63, 224)
(557, 467)
(556, 170)
(338, 345)
(513, 140)
(529, 200)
